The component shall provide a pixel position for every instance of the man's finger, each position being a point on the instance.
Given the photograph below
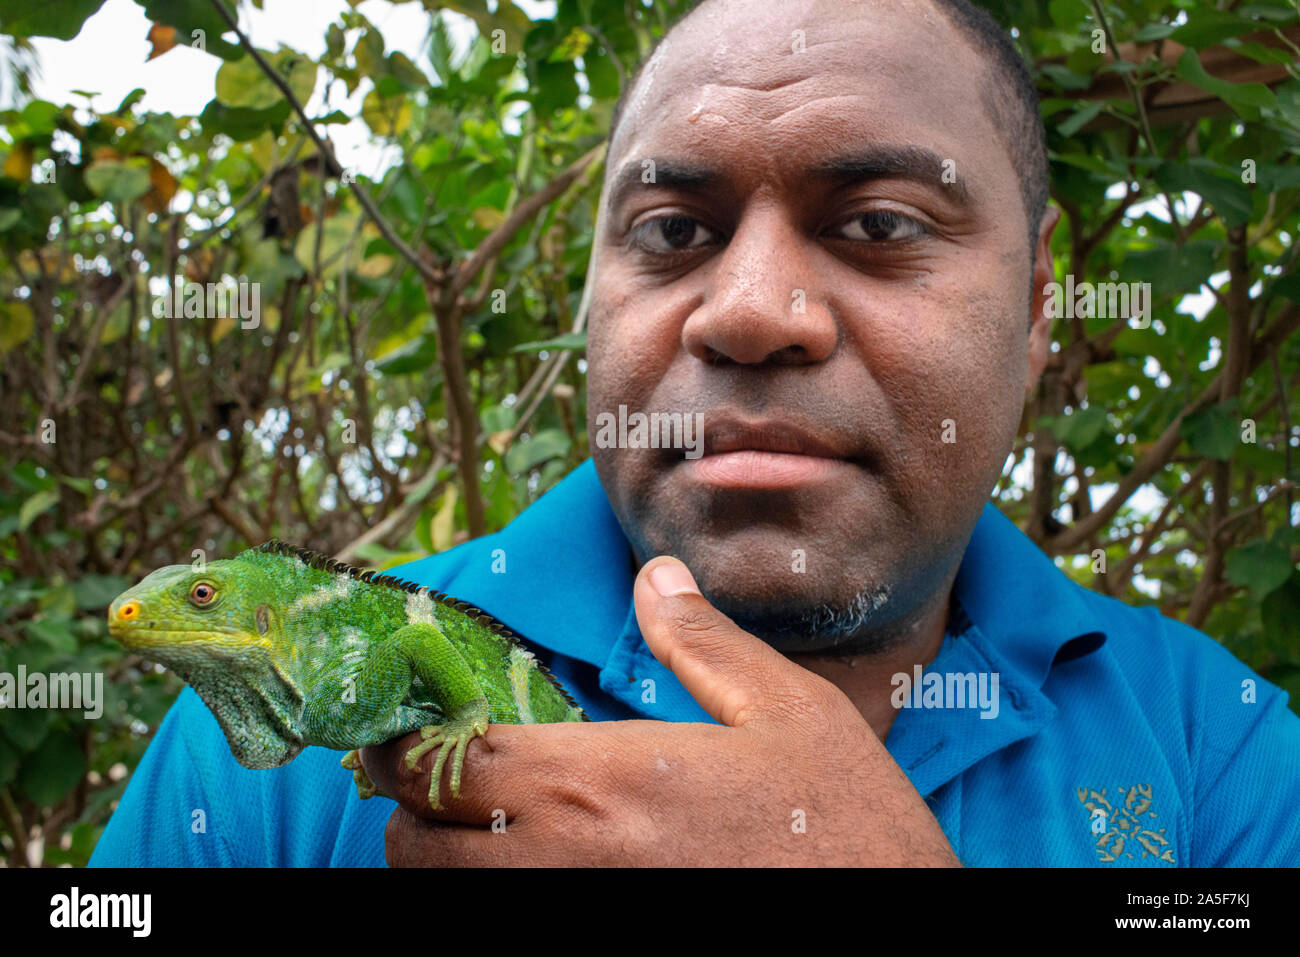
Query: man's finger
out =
(733, 675)
(411, 841)
(501, 773)
(385, 764)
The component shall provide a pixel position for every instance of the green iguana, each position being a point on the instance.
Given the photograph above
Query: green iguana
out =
(289, 648)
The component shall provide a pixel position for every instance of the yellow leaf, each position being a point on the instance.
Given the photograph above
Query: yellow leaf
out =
(163, 38)
(375, 266)
(162, 187)
(16, 325)
(222, 327)
(487, 217)
(19, 164)
(497, 441)
(386, 115)
(442, 527)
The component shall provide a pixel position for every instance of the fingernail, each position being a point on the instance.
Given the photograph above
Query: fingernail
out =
(673, 578)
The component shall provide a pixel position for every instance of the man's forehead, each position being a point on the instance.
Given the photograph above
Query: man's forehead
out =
(768, 64)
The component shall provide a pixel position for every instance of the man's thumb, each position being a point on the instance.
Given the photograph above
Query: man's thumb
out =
(733, 675)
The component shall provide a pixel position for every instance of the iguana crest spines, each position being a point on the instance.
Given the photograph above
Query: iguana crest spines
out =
(316, 560)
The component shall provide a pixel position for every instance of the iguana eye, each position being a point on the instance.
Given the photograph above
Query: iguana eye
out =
(202, 594)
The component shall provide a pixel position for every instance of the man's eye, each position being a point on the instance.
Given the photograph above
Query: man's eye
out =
(880, 226)
(668, 234)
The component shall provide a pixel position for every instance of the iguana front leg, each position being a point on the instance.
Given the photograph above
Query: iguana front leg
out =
(470, 721)
(422, 649)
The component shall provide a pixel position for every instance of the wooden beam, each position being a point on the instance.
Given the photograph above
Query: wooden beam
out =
(1175, 102)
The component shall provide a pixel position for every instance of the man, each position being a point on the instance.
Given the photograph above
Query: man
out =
(823, 230)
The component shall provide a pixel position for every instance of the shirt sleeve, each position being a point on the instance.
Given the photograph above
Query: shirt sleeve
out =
(1246, 765)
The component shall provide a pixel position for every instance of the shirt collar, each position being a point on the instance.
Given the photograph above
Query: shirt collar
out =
(1030, 610)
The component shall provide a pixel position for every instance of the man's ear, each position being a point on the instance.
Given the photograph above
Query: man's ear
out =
(1040, 328)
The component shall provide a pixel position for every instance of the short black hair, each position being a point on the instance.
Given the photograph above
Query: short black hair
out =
(1009, 96)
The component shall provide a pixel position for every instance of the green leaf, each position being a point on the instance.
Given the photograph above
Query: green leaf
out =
(53, 770)
(1280, 614)
(119, 181)
(1259, 565)
(1154, 31)
(1066, 78)
(187, 16)
(130, 100)
(56, 632)
(1260, 53)
(1171, 268)
(1207, 27)
(98, 591)
(35, 506)
(547, 444)
(242, 124)
(1214, 432)
(1288, 286)
(8, 762)
(570, 340)
(1080, 119)
(1246, 99)
(242, 83)
(26, 727)
(1230, 197)
(62, 19)
(39, 115)
(508, 18)
(1273, 176)
(497, 418)
(1081, 428)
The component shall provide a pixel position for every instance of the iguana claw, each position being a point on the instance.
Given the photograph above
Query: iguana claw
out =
(365, 787)
(454, 736)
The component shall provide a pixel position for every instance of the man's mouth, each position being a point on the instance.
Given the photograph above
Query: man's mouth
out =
(742, 454)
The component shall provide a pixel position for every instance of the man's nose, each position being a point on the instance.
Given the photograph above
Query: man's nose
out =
(765, 303)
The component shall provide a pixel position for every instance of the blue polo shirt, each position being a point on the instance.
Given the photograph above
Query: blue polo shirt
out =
(1122, 738)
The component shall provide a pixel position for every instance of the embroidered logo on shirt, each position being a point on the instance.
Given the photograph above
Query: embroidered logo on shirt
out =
(1125, 827)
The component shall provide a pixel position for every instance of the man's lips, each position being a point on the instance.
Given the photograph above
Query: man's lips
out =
(766, 455)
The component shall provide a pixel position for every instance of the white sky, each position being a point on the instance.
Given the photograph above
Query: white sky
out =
(109, 57)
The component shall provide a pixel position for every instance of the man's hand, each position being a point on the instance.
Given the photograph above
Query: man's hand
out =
(793, 776)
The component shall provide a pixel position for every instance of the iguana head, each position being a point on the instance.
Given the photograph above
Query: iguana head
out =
(184, 618)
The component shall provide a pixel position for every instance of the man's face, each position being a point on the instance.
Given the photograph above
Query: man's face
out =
(849, 320)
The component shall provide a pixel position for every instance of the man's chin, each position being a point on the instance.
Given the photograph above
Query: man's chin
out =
(861, 625)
